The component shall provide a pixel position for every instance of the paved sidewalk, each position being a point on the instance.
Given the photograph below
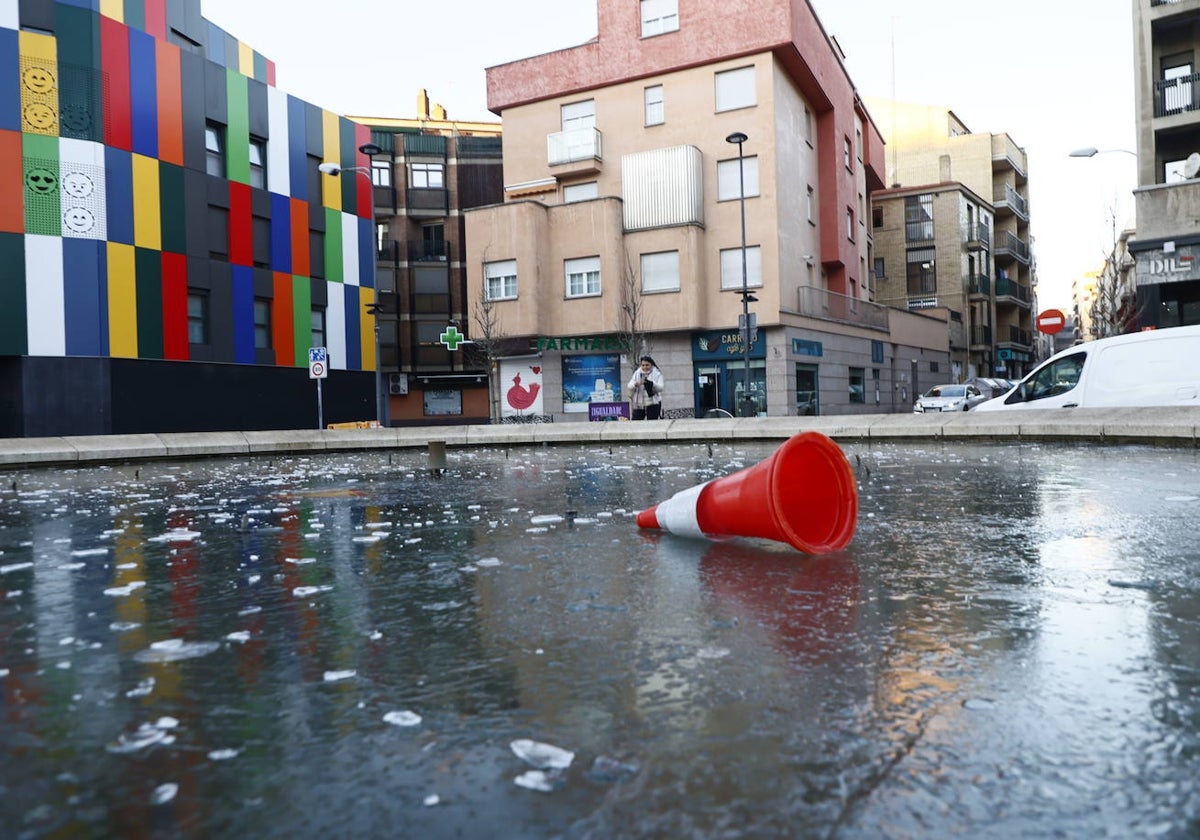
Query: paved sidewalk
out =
(1157, 426)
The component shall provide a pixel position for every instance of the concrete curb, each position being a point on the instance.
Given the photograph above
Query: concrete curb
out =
(1175, 426)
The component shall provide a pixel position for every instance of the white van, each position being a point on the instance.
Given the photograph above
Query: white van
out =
(1155, 367)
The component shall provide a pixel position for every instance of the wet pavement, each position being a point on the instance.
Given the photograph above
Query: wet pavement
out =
(355, 646)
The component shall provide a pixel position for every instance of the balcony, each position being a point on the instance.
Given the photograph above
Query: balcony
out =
(979, 285)
(428, 202)
(1010, 291)
(1014, 338)
(389, 252)
(918, 231)
(981, 336)
(1012, 201)
(578, 150)
(427, 252)
(977, 237)
(1008, 245)
(820, 303)
(1177, 96)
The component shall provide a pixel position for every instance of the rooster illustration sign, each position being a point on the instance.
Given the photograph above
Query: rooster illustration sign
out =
(521, 387)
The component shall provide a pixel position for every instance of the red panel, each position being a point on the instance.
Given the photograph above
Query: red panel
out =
(174, 297)
(362, 134)
(12, 208)
(114, 63)
(170, 103)
(241, 229)
(156, 18)
(283, 338)
(270, 72)
(300, 256)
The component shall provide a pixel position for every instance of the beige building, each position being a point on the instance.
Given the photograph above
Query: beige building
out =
(634, 221)
(966, 198)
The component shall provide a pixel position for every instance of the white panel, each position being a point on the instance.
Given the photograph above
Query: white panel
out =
(663, 187)
(81, 182)
(278, 172)
(44, 297)
(9, 14)
(335, 325)
(350, 243)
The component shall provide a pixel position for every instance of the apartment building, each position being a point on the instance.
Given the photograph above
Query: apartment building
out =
(667, 177)
(1166, 248)
(170, 252)
(427, 169)
(969, 192)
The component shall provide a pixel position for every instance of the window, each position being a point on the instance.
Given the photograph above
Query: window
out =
(808, 122)
(583, 277)
(318, 326)
(729, 178)
(880, 272)
(850, 223)
(1177, 83)
(316, 253)
(426, 175)
(921, 272)
(381, 172)
(500, 280)
(877, 217)
(660, 272)
(735, 89)
(858, 388)
(433, 241)
(260, 226)
(847, 154)
(580, 192)
(442, 402)
(655, 112)
(258, 162)
(918, 218)
(578, 115)
(731, 267)
(262, 323)
(197, 309)
(214, 148)
(810, 205)
(218, 232)
(659, 16)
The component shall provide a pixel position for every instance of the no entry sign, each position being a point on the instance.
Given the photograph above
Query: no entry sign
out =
(1051, 321)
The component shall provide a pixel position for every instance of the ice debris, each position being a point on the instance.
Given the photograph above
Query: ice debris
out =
(404, 718)
(542, 756)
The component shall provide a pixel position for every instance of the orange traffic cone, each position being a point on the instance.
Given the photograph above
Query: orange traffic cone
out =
(804, 495)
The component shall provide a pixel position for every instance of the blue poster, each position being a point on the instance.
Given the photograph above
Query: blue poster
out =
(591, 378)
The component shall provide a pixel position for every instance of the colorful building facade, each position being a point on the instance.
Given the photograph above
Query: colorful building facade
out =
(169, 250)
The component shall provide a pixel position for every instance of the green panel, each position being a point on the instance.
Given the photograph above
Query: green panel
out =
(43, 211)
(14, 337)
(334, 262)
(174, 222)
(79, 77)
(302, 317)
(237, 153)
(135, 14)
(260, 66)
(148, 265)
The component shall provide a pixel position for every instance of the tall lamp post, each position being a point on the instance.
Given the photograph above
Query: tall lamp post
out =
(739, 138)
(374, 309)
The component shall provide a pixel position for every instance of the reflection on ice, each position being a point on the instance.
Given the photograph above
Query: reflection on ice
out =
(173, 650)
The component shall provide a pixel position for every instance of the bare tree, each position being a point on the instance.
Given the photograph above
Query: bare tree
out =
(632, 329)
(1114, 308)
(488, 345)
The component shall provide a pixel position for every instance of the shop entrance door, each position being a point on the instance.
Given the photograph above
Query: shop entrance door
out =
(708, 391)
(808, 399)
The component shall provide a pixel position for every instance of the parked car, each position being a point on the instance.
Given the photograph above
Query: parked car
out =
(1151, 368)
(991, 386)
(962, 397)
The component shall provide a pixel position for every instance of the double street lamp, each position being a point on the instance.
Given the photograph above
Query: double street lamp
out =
(373, 309)
(748, 408)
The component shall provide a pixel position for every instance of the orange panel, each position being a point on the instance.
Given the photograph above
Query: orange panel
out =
(12, 208)
(170, 103)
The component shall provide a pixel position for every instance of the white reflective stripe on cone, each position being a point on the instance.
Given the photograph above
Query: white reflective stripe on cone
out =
(678, 513)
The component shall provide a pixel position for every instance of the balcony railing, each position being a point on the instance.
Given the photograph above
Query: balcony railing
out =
(1006, 287)
(977, 237)
(979, 284)
(918, 231)
(1177, 96)
(427, 252)
(1009, 244)
(428, 201)
(1014, 335)
(830, 306)
(981, 334)
(1014, 201)
(389, 251)
(570, 146)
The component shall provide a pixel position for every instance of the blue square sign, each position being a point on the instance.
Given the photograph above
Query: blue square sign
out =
(317, 354)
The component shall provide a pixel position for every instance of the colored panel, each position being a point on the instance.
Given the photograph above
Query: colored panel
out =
(147, 204)
(174, 208)
(149, 291)
(114, 62)
(243, 314)
(13, 332)
(283, 321)
(334, 264)
(39, 84)
(278, 172)
(10, 16)
(135, 14)
(44, 296)
(12, 178)
(366, 326)
(366, 250)
(302, 317)
(365, 200)
(170, 102)
(260, 67)
(118, 181)
(300, 251)
(174, 301)
(297, 157)
(216, 44)
(114, 9)
(156, 18)
(122, 302)
(245, 59)
(331, 144)
(43, 209)
(10, 82)
(342, 354)
(281, 233)
(143, 93)
(241, 225)
(83, 181)
(86, 297)
(270, 72)
(237, 149)
(80, 97)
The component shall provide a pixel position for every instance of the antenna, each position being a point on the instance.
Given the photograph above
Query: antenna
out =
(1192, 165)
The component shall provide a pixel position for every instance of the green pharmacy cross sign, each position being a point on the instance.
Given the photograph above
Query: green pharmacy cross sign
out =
(452, 338)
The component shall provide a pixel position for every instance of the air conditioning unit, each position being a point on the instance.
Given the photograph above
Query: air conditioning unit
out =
(398, 383)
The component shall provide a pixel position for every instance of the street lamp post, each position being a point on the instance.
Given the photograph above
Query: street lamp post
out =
(1092, 151)
(739, 138)
(373, 309)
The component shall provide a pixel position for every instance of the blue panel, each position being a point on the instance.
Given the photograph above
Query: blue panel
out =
(86, 296)
(118, 186)
(143, 93)
(353, 328)
(281, 233)
(10, 82)
(297, 159)
(90, 5)
(366, 254)
(243, 314)
(216, 44)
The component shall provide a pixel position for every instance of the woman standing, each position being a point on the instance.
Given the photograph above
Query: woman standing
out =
(645, 390)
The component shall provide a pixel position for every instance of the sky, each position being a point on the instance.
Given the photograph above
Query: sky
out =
(1055, 75)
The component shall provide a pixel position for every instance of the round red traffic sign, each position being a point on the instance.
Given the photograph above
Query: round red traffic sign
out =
(1051, 321)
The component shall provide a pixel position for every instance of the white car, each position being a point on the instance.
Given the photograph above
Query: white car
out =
(948, 398)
